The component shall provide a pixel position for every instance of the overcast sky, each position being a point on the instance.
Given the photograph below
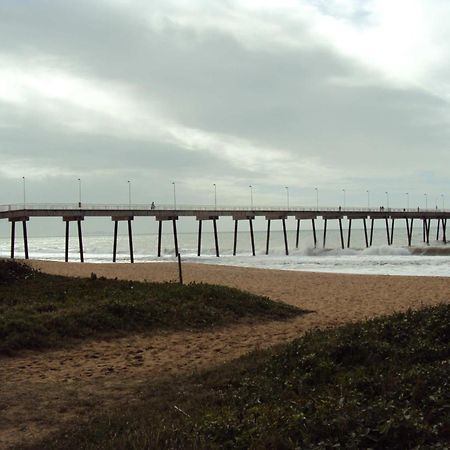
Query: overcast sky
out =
(333, 94)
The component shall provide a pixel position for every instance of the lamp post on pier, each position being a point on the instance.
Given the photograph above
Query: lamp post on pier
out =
(129, 193)
(79, 192)
(317, 198)
(343, 190)
(251, 196)
(24, 193)
(443, 202)
(287, 196)
(215, 195)
(387, 200)
(368, 199)
(174, 195)
(426, 200)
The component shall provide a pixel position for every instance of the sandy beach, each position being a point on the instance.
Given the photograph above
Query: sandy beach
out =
(40, 388)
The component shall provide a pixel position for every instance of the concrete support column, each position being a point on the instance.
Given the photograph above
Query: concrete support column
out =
(325, 221)
(116, 225)
(392, 230)
(371, 231)
(388, 234)
(268, 236)
(216, 238)
(80, 240)
(130, 240)
(252, 237)
(341, 233)
(13, 235)
(365, 233)
(313, 224)
(13, 238)
(236, 221)
(175, 236)
(199, 246)
(285, 236)
(116, 220)
(297, 237)
(349, 232)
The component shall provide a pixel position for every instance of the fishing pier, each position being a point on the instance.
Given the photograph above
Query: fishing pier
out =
(77, 213)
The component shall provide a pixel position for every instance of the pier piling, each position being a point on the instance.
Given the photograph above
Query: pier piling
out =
(325, 221)
(349, 233)
(365, 233)
(341, 233)
(199, 246)
(268, 236)
(313, 224)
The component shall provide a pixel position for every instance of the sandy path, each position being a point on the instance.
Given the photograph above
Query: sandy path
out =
(38, 390)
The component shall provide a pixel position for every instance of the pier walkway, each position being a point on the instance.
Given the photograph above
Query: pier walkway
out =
(126, 213)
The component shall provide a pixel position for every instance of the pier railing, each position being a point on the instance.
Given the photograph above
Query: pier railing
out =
(182, 207)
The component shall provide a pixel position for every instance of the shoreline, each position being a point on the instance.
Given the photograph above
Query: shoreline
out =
(372, 293)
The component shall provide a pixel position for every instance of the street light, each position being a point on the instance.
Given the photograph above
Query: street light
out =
(215, 196)
(251, 196)
(24, 193)
(174, 195)
(287, 196)
(79, 192)
(368, 199)
(317, 198)
(426, 200)
(129, 193)
(387, 200)
(407, 200)
(343, 190)
(443, 202)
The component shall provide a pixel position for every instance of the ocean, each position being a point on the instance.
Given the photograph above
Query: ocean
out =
(398, 259)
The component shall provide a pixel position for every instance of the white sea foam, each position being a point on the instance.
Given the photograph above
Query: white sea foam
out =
(379, 259)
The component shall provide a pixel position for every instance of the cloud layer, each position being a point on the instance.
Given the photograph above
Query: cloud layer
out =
(305, 94)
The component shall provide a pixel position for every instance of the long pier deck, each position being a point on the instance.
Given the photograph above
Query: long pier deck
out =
(119, 213)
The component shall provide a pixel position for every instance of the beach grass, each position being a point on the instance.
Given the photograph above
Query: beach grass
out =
(381, 384)
(39, 311)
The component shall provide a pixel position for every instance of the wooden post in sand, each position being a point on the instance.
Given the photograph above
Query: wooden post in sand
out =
(180, 272)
